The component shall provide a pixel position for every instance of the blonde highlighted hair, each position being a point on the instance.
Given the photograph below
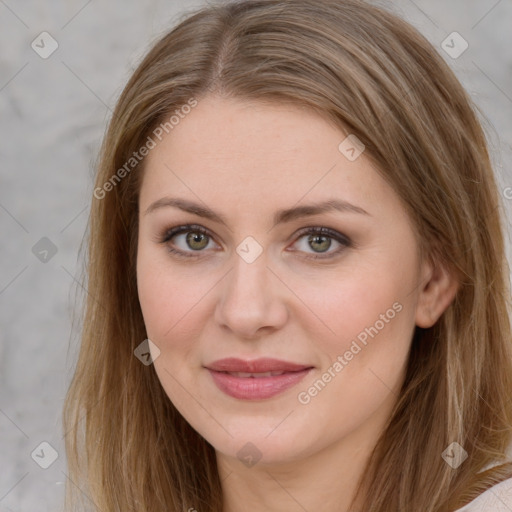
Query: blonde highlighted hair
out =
(375, 76)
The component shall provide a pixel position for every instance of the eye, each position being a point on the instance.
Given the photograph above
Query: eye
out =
(195, 239)
(320, 240)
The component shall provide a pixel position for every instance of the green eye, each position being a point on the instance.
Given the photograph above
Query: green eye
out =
(196, 239)
(322, 242)
(319, 240)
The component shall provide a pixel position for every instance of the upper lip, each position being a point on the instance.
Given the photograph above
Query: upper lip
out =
(265, 364)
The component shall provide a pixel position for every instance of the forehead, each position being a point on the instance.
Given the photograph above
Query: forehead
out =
(255, 155)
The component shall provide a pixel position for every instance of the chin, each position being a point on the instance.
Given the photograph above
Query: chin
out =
(263, 445)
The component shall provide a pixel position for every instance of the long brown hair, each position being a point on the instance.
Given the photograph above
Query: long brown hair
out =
(375, 76)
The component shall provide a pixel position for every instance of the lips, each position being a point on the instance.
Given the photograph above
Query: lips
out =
(255, 375)
(257, 379)
(256, 366)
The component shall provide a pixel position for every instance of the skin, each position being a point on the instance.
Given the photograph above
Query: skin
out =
(246, 160)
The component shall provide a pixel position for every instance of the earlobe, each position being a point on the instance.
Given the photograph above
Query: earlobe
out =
(438, 289)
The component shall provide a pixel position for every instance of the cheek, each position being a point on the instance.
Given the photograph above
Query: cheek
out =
(174, 304)
(363, 361)
(349, 304)
(162, 299)
(170, 303)
(367, 318)
(154, 296)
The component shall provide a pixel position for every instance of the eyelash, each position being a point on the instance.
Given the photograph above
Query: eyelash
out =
(316, 230)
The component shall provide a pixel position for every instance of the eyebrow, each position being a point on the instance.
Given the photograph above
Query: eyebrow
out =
(281, 216)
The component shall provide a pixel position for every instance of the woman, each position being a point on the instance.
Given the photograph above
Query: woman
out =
(297, 284)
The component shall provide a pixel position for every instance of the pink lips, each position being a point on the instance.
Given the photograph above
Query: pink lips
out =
(255, 387)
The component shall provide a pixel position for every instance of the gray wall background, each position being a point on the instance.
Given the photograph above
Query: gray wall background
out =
(53, 113)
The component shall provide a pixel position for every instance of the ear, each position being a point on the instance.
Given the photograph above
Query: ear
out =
(438, 289)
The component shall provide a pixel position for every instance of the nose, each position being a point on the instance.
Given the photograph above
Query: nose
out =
(252, 299)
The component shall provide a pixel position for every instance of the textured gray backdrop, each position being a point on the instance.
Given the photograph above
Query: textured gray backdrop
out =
(53, 113)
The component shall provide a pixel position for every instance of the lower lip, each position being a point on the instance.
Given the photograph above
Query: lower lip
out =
(252, 388)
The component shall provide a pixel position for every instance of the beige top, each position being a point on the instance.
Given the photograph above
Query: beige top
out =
(496, 499)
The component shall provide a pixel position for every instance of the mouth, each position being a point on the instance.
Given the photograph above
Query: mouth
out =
(255, 375)
(258, 379)
(256, 366)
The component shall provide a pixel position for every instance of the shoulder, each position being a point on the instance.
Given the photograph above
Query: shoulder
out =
(496, 499)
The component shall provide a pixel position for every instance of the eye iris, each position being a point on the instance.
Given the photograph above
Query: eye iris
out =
(195, 237)
(315, 238)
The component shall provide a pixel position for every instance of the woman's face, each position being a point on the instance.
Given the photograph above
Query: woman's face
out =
(342, 304)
